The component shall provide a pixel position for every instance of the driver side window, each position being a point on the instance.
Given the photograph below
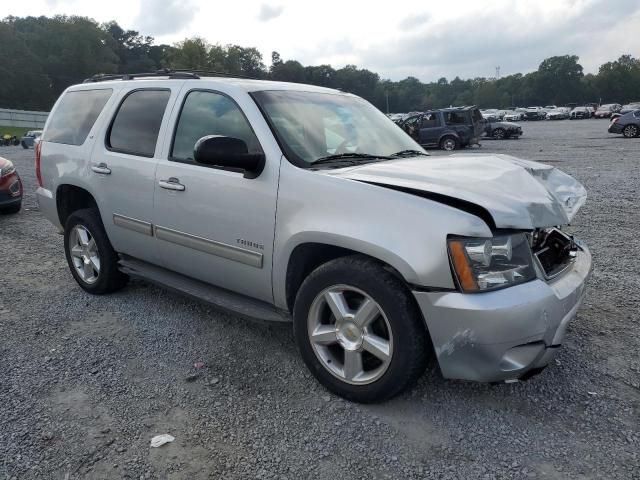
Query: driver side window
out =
(209, 113)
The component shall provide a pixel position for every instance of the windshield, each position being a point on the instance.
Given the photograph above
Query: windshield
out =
(311, 126)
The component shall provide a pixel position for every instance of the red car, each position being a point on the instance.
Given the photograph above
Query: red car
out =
(10, 188)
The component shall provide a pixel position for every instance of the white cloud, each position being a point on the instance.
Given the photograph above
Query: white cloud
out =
(161, 17)
(269, 12)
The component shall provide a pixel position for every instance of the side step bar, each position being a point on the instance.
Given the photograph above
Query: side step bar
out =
(218, 297)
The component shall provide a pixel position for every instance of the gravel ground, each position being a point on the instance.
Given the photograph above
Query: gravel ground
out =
(85, 381)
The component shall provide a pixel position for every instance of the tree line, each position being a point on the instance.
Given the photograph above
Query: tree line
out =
(41, 56)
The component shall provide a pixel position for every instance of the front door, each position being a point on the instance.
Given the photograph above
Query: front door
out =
(212, 224)
(431, 128)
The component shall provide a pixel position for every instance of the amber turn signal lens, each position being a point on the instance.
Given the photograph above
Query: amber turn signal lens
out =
(461, 265)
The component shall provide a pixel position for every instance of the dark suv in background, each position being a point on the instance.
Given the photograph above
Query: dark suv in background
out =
(448, 128)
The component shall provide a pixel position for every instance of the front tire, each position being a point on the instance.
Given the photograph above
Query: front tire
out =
(630, 131)
(91, 258)
(359, 330)
(449, 144)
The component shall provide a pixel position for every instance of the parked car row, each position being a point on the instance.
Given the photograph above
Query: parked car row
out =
(553, 112)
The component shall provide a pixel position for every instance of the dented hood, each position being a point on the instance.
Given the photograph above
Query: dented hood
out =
(517, 193)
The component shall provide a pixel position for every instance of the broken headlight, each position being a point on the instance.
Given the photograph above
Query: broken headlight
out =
(482, 264)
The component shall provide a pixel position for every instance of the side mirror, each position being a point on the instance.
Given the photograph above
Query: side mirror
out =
(228, 152)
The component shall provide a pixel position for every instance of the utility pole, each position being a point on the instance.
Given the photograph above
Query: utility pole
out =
(498, 72)
(386, 94)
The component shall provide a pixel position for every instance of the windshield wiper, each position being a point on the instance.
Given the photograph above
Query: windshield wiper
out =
(409, 153)
(348, 156)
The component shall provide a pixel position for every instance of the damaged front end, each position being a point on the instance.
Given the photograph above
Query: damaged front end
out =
(509, 331)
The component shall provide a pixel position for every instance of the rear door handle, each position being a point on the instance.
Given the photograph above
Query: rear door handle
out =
(172, 184)
(101, 168)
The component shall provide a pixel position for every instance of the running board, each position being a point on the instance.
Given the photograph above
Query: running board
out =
(218, 297)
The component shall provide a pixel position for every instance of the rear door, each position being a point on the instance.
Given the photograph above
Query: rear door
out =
(124, 164)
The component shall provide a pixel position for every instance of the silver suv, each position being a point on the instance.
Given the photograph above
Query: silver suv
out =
(297, 203)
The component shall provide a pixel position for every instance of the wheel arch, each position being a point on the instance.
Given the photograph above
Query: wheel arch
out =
(70, 198)
(308, 255)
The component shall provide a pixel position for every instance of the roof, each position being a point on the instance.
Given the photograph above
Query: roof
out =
(208, 78)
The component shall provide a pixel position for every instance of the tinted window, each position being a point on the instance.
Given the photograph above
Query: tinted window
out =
(456, 118)
(137, 123)
(209, 113)
(75, 115)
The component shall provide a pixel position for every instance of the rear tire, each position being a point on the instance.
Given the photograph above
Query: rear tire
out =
(92, 260)
(361, 360)
(449, 144)
(500, 133)
(25, 146)
(631, 131)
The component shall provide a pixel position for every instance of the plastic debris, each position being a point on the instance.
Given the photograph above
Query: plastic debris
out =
(199, 365)
(160, 440)
(592, 393)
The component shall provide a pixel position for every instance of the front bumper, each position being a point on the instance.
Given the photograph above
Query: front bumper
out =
(506, 334)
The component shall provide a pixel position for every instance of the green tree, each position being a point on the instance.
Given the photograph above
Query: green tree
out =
(559, 79)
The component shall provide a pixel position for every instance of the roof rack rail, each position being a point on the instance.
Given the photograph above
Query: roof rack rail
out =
(165, 72)
(103, 77)
(213, 73)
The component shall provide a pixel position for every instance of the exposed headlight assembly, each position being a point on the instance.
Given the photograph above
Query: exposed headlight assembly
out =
(483, 264)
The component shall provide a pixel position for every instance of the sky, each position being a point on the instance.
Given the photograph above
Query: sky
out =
(422, 38)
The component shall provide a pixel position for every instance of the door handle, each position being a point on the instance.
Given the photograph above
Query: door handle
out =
(101, 168)
(172, 184)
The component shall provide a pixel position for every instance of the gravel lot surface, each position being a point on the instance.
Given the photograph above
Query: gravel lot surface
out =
(86, 382)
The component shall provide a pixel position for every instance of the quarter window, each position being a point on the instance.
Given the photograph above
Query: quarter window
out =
(75, 115)
(137, 123)
(210, 113)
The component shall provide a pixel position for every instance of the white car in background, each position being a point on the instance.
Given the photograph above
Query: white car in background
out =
(513, 116)
(561, 113)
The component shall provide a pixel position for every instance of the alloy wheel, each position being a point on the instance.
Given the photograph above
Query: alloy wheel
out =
(449, 144)
(630, 131)
(499, 133)
(84, 254)
(350, 335)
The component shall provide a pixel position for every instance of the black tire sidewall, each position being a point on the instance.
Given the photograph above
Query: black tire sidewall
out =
(109, 277)
(411, 345)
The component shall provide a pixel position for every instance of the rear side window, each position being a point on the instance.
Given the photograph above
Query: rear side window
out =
(75, 115)
(210, 113)
(137, 122)
(456, 118)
